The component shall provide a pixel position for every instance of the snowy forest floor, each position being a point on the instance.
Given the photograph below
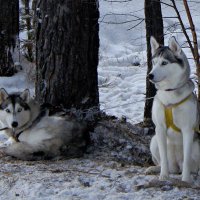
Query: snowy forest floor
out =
(112, 169)
(116, 161)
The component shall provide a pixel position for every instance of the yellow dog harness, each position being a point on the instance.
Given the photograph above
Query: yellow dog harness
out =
(169, 115)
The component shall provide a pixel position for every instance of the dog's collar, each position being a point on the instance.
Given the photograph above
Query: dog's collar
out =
(173, 89)
(168, 90)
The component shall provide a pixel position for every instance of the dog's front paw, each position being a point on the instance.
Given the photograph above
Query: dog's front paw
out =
(164, 177)
(9, 142)
(187, 179)
(152, 170)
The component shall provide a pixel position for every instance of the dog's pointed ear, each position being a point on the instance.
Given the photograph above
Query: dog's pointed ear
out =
(154, 45)
(25, 95)
(174, 46)
(3, 95)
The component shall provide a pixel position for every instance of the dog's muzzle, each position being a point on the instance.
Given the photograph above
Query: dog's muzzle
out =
(150, 77)
(14, 124)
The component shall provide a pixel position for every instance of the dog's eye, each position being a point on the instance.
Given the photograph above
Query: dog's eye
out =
(7, 110)
(19, 110)
(164, 63)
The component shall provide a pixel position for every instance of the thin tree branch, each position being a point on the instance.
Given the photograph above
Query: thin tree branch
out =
(115, 1)
(183, 26)
(136, 25)
(196, 52)
(169, 5)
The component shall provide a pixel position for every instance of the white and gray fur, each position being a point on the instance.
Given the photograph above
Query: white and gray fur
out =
(40, 136)
(173, 152)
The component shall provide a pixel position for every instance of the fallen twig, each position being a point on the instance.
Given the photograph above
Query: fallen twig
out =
(172, 182)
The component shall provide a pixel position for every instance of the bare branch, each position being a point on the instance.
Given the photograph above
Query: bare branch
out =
(136, 25)
(170, 17)
(122, 14)
(119, 1)
(135, 18)
(183, 26)
(122, 22)
(169, 5)
(170, 183)
(195, 44)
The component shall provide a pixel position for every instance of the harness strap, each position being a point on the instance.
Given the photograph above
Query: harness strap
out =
(169, 115)
(2, 129)
(169, 120)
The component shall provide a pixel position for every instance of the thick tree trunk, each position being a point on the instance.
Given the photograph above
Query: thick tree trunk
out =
(9, 29)
(67, 46)
(154, 27)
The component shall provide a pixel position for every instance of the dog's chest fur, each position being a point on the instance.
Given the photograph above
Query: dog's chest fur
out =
(47, 128)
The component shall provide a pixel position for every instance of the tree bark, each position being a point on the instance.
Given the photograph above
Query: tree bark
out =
(9, 29)
(29, 43)
(154, 27)
(67, 44)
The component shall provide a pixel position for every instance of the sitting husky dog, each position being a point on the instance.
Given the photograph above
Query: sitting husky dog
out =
(36, 135)
(175, 146)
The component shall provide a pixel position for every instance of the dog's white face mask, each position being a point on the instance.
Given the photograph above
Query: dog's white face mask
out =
(14, 109)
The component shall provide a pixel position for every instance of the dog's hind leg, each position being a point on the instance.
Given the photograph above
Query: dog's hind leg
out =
(155, 157)
(155, 151)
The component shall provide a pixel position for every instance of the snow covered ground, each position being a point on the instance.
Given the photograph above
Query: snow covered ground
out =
(122, 67)
(122, 74)
(81, 179)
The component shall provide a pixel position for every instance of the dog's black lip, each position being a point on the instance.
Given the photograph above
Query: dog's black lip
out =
(154, 82)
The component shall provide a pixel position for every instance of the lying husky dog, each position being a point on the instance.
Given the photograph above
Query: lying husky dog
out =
(36, 135)
(175, 146)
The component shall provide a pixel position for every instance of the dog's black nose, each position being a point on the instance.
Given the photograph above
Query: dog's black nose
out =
(14, 124)
(150, 76)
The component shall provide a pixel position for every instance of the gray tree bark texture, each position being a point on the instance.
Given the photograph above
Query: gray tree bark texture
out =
(29, 44)
(154, 27)
(67, 44)
(9, 29)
